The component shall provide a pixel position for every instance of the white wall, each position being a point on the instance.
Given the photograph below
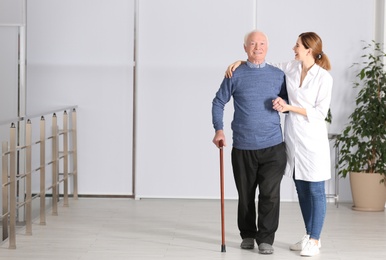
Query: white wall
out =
(341, 32)
(10, 20)
(80, 52)
(8, 72)
(11, 12)
(193, 48)
(182, 55)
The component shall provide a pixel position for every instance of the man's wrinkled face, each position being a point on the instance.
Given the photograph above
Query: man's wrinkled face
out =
(256, 47)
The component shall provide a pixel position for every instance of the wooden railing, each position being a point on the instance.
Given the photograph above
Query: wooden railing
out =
(25, 168)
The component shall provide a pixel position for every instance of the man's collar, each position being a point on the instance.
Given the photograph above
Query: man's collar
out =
(256, 66)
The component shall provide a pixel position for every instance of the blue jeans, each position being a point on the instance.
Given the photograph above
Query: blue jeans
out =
(312, 200)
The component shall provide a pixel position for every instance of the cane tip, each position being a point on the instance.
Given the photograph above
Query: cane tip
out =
(223, 250)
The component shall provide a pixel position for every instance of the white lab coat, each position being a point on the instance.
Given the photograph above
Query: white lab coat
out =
(306, 137)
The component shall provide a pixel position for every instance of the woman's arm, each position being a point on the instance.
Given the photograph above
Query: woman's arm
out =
(281, 105)
(233, 67)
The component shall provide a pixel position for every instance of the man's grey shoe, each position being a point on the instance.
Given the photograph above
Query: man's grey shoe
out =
(265, 249)
(248, 243)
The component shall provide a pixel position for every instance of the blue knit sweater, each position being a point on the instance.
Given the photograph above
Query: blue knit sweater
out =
(255, 124)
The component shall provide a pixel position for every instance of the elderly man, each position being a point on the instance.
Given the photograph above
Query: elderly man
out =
(258, 153)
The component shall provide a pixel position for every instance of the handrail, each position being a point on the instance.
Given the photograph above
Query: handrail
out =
(18, 169)
(36, 115)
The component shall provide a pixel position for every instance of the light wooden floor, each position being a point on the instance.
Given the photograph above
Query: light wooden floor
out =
(171, 229)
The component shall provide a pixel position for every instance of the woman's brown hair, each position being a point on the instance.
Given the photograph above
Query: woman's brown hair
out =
(313, 41)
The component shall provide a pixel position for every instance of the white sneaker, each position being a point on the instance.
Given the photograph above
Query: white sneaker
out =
(301, 244)
(310, 249)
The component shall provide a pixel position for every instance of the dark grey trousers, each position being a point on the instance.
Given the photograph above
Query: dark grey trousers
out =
(264, 169)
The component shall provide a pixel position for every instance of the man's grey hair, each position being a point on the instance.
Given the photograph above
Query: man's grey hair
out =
(254, 31)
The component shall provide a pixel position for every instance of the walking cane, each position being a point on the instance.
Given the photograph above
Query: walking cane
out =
(222, 196)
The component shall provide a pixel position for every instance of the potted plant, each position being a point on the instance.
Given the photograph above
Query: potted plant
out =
(362, 144)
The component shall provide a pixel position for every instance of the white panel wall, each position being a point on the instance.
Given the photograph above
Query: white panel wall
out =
(8, 72)
(11, 12)
(80, 52)
(183, 52)
(10, 19)
(184, 47)
(341, 32)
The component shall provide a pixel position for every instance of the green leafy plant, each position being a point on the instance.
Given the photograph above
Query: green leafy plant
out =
(328, 118)
(362, 143)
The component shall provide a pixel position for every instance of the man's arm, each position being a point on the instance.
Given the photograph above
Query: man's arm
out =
(218, 137)
(283, 91)
(222, 97)
(281, 105)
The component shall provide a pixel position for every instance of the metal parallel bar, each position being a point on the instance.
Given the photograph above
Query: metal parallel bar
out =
(11, 178)
(42, 171)
(54, 165)
(16, 119)
(21, 147)
(75, 154)
(336, 174)
(22, 175)
(20, 182)
(49, 112)
(28, 164)
(4, 163)
(35, 196)
(65, 158)
(32, 198)
(335, 195)
(12, 189)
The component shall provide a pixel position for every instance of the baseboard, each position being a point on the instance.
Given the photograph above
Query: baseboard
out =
(107, 196)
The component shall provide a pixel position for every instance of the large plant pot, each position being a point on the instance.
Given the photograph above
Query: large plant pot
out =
(367, 192)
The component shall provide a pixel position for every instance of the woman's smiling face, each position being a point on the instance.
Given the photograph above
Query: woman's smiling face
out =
(300, 50)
